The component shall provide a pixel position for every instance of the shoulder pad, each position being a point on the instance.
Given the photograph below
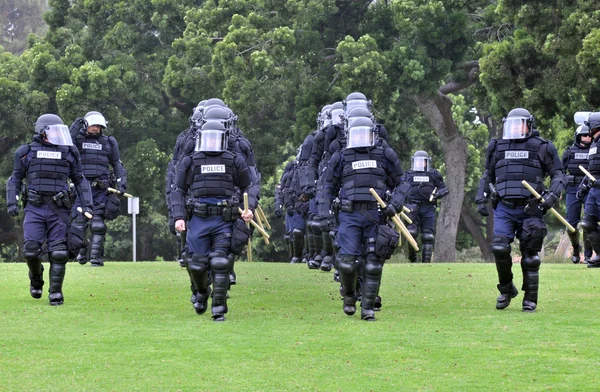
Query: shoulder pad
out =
(73, 150)
(22, 150)
(389, 152)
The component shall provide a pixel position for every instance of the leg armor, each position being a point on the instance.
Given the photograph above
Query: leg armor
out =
(197, 268)
(574, 238)
(348, 267)
(289, 246)
(501, 250)
(58, 254)
(311, 237)
(327, 261)
(298, 243)
(530, 264)
(412, 254)
(32, 251)
(427, 239)
(220, 267)
(592, 230)
(370, 286)
(77, 238)
(587, 248)
(232, 275)
(98, 229)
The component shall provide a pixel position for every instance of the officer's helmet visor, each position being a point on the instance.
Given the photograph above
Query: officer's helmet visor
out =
(96, 119)
(353, 103)
(210, 141)
(336, 116)
(58, 135)
(420, 164)
(326, 122)
(515, 128)
(360, 137)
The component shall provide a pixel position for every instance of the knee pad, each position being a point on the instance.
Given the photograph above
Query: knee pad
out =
(298, 235)
(80, 222)
(427, 237)
(348, 263)
(197, 264)
(589, 224)
(531, 262)
(413, 230)
(58, 251)
(32, 250)
(314, 226)
(219, 262)
(500, 246)
(373, 265)
(97, 225)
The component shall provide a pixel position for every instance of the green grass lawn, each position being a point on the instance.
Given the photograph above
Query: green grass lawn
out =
(130, 326)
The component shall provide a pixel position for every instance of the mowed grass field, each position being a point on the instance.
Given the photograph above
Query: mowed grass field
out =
(131, 327)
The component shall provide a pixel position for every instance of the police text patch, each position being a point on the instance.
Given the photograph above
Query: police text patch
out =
(49, 154)
(516, 154)
(421, 178)
(212, 169)
(363, 164)
(581, 155)
(92, 146)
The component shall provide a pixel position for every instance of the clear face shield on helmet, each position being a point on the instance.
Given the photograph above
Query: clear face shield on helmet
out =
(211, 141)
(360, 136)
(337, 116)
(515, 128)
(420, 163)
(58, 135)
(353, 103)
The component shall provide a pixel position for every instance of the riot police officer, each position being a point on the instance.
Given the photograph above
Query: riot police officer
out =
(362, 238)
(206, 182)
(591, 211)
(520, 155)
(426, 187)
(280, 202)
(48, 163)
(102, 167)
(574, 156)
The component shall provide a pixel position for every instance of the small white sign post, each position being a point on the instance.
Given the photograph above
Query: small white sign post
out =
(133, 208)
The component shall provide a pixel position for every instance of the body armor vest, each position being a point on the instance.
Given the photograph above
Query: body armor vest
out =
(362, 170)
(421, 185)
(49, 169)
(594, 158)
(212, 175)
(96, 154)
(577, 156)
(517, 160)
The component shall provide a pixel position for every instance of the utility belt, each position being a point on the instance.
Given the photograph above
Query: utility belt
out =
(575, 180)
(99, 184)
(61, 199)
(351, 206)
(229, 211)
(514, 203)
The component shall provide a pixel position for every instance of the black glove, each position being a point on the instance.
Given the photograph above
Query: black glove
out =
(482, 208)
(582, 191)
(88, 210)
(13, 209)
(172, 226)
(122, 188)
(389, 211)
(550, 199)
(278, 212)
(289, 211)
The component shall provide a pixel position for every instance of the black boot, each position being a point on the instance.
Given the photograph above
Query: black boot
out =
(82, 256)
(57, 276)
(349, 266)
(507, 292)
(36, 277)
(96, 250)
(576, 254)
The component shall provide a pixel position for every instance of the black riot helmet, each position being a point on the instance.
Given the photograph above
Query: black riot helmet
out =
(360, 133)
(582, 130)
(337, 113)
(420, 161)
(518, 124)
(213, 137)
(53, 130)
(356, 100)
(593, 123)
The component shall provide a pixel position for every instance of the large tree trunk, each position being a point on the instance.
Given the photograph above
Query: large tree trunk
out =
(473, 226)
(437, 111)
